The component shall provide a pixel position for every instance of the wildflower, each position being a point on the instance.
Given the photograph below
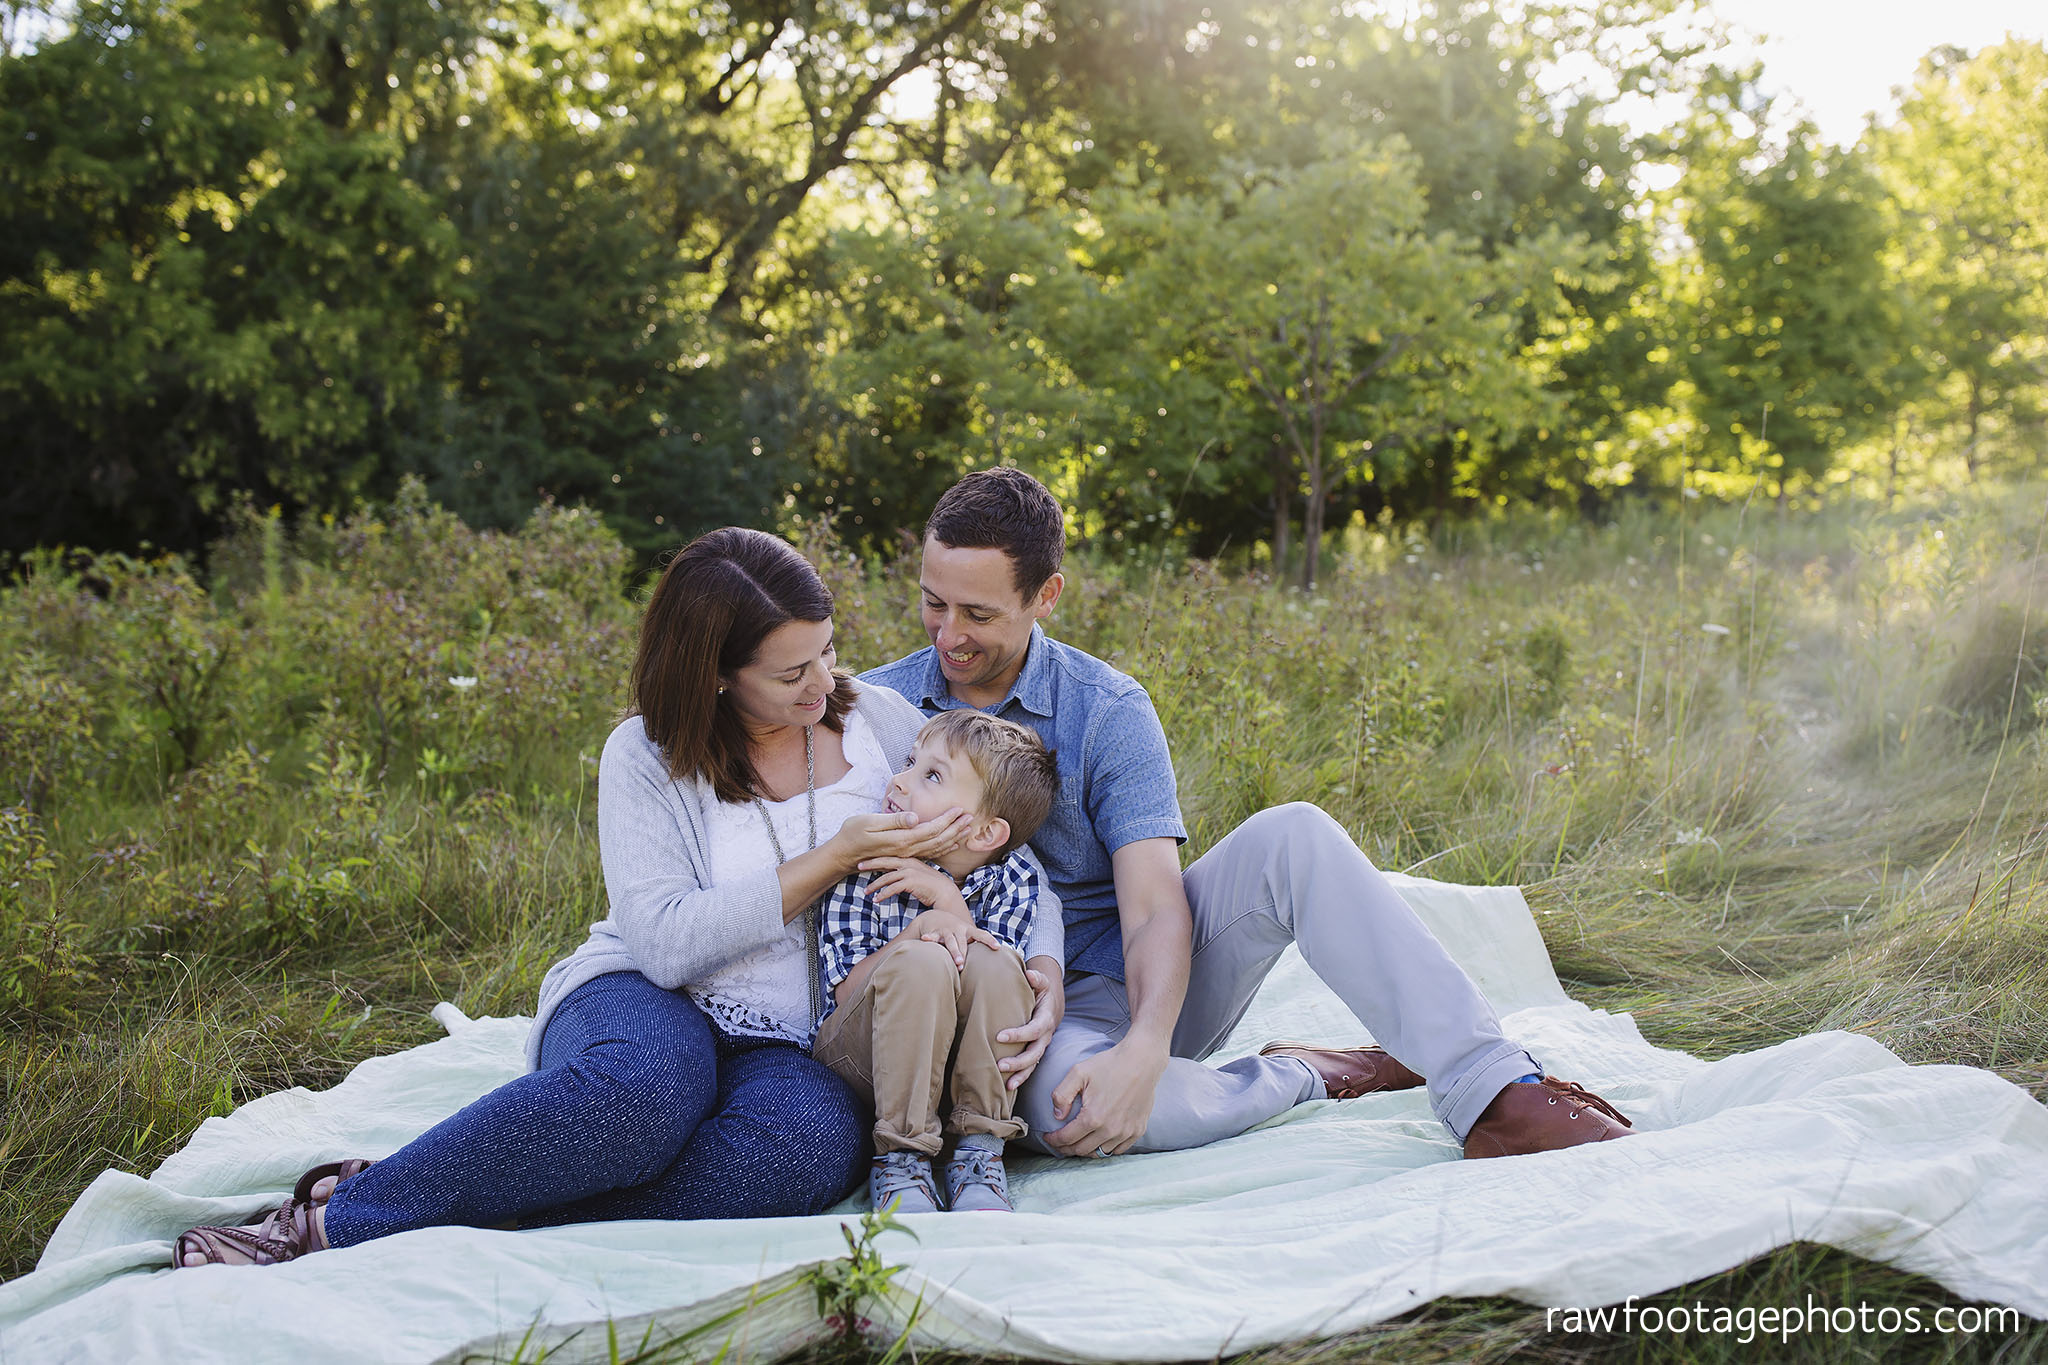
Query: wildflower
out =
(1715, 628)
(462, 682)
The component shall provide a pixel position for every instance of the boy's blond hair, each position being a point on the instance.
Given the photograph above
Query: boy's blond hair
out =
(1019, 779)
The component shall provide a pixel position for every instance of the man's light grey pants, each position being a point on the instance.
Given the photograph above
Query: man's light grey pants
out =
(1291, 874)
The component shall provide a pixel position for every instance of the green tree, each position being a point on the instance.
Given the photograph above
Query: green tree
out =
(1365, 335)
(207, 285)
(1793, 338)
(1967, 161)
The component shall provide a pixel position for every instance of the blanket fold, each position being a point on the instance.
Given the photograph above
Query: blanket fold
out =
(1329, 1218)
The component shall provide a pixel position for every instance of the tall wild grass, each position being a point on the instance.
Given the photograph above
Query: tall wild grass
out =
(1760, 775)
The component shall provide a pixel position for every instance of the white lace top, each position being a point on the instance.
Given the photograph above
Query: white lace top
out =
(767, 993)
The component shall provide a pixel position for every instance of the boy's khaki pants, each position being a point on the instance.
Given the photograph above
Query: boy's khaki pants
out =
(920, 1023)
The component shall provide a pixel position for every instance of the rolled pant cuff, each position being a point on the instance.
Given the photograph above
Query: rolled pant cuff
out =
(963, 1121)
(891, 1138)
(1460, 1107)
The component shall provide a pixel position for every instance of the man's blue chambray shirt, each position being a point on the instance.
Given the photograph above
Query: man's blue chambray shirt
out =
(1116, 777)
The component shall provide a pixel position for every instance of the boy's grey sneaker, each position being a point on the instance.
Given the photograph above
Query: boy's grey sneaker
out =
(906, 1176)
(975, 1181)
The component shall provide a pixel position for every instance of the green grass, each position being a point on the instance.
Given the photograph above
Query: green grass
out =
(1760, 775)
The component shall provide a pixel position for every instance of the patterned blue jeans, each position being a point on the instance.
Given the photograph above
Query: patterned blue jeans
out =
(640, 1109)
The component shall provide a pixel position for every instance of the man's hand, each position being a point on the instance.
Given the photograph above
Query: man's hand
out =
(1048, 1004)
(1113, 1093)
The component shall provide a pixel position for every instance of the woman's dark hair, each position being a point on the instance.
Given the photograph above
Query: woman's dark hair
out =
(722, 594)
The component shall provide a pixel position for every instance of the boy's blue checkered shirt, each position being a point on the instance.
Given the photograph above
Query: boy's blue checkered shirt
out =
(851, 924)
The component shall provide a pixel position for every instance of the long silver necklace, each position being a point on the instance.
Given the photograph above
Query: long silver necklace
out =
(811, 910)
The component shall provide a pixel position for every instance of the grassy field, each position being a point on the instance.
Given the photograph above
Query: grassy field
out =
(1761, 774)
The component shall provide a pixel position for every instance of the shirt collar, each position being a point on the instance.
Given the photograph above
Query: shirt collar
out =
(1032, 690)
(977, 881)
(934, 683)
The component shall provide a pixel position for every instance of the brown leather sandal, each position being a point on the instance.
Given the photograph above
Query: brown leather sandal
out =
(340, 1170)
(285, 1234)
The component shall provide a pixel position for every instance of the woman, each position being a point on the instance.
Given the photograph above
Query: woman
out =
(671, 1074)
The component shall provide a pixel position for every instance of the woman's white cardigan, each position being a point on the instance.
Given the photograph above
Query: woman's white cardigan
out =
(652, 833)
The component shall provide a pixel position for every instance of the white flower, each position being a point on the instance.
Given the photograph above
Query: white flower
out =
(462, 683)
(1715, 628)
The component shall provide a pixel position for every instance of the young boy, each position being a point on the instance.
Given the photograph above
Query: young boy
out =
(915, 988)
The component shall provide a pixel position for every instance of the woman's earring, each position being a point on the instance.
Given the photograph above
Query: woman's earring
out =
(721, 691)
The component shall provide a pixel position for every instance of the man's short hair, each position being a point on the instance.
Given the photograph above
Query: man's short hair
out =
(1004, 509)
(1019, 778)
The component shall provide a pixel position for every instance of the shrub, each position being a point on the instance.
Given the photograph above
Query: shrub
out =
(45, 727)
(2000, 666)
(43, 959)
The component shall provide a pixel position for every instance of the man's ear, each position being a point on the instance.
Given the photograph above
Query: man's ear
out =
(1048, 593)
(993, 834)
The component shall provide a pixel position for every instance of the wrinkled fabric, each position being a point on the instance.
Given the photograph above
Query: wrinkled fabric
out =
(1331, 1217)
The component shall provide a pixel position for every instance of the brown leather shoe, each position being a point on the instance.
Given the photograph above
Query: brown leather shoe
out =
(1348, 1072)
(1541, 1116)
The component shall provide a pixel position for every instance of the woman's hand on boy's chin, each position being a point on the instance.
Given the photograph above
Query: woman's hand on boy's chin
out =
(897, 834)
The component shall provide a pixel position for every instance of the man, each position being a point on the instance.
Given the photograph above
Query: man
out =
(1161, 964)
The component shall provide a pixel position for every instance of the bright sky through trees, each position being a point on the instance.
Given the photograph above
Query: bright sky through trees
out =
(1842, 59)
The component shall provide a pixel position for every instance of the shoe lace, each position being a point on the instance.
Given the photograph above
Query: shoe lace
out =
(1574, 1093)
(979, 1167)
(900, 1171)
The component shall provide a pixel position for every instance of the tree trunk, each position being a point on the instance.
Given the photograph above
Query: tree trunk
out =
(1976, 416)
(1283, 506)
(1891, 467)
(1312, 525)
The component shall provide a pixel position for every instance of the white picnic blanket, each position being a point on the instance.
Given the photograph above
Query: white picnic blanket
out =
(1333, 1216)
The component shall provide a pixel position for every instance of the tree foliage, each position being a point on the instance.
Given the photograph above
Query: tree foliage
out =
(1215, 272)
(1967, 166)
(1788, 323)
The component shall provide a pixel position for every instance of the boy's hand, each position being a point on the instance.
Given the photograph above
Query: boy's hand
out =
(919, 880)
(945, 928)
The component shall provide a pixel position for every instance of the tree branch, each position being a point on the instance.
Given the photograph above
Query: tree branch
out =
(827, 156)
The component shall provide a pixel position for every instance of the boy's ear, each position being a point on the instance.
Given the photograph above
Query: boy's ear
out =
(993, 834)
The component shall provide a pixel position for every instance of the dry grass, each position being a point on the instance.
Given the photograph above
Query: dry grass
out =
(1760, 776)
